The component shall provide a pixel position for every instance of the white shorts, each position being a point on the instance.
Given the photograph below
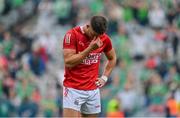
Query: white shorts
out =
(87, 102)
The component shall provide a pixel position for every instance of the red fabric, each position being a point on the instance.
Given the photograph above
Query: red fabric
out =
(160, 36)
(43, 54)
(151, 63)
(9, 82)
(3, 62)
(84, 75)
(36, 97)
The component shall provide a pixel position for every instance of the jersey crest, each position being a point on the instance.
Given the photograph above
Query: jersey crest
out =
(68, 39)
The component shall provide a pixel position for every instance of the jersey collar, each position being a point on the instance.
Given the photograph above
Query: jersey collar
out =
(81, 28)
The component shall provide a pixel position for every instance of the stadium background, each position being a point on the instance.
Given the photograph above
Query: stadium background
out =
(145, 35)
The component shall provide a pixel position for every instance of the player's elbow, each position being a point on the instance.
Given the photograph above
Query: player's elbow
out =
(111, 56)
(114, 61)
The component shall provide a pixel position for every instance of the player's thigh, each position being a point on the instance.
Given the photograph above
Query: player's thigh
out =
(68, 112)
(73, 100)
(90, 115)
(93, 105)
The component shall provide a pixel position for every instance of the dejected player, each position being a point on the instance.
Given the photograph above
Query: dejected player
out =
(82, 49)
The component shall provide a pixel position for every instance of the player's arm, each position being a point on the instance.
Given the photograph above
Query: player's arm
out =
(111, 56)
(72, 59)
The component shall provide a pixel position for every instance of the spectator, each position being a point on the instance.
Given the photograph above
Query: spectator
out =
(27, 108)
(36, 63)
(114, 109)
(128, 99)
(156, 93)
(7, 43)
(2, 5)
(157, 17)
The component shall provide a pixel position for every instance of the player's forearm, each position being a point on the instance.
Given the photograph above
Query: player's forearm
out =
(77, 58)
(109, 67)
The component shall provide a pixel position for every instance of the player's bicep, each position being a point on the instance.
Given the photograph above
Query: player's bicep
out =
(68, 53)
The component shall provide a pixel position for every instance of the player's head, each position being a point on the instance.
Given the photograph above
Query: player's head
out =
(97, 26)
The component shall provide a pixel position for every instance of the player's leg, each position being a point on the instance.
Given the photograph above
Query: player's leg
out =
(72, 101)
(67, 112)
(90, 115)
(92, 107)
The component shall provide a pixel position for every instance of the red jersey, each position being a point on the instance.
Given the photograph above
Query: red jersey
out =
(83, 75)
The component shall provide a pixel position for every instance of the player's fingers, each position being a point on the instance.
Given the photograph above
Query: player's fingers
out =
(94, 38)
(99, 40)
(98, 83)
(100, 43)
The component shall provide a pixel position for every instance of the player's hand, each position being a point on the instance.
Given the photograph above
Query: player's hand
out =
(95, 43)
(100, 82)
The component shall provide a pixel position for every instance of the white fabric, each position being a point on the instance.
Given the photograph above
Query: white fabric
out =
(104, 78)
(87, 102)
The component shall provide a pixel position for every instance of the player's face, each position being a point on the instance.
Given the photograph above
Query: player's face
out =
(91, 33)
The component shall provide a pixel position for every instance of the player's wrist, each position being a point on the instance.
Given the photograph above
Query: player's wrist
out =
(104, 78)
(90, 48)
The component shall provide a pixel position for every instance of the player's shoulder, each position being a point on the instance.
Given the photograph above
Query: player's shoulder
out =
(105, 36)
(74, 30)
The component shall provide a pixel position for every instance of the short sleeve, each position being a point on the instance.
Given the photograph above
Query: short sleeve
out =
(69, 41)
(108, 46)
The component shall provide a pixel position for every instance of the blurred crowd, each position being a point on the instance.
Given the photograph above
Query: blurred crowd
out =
(144, 33)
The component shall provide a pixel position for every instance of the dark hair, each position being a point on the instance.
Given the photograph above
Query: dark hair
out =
(99, 24)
